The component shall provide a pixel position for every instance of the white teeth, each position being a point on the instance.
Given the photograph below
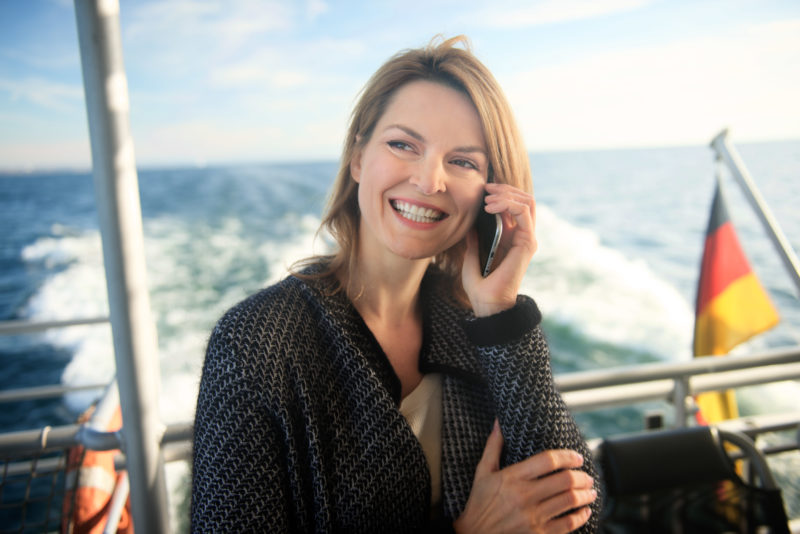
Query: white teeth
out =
(416, 213)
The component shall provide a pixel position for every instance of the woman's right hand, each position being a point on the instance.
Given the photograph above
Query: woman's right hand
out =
(529, 496)
(498, 291)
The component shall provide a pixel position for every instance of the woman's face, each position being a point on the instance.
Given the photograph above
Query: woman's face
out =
(421, 175)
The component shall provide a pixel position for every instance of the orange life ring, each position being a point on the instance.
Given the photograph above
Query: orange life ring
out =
(90, 482)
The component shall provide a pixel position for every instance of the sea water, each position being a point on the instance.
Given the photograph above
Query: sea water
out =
(620, 240)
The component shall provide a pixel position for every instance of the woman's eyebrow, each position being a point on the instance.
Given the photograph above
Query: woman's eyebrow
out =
(419, 137)
(413, 133)
(477, 149)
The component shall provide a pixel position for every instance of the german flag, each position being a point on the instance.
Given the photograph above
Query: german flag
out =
(732, 306)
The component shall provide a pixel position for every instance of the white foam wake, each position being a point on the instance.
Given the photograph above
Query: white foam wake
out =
(195, 273)
(603, 294)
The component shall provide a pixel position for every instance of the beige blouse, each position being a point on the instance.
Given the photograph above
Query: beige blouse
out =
(422, 408)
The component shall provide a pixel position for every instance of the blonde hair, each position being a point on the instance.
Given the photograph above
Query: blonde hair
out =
(442, 61)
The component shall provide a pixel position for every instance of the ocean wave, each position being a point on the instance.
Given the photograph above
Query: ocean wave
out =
(195, 272)
(603, 294)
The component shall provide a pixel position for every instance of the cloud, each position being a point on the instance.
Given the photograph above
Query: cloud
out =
(204, 141)
(316, 8)
(35, 155)
(55, 96)
(554, 11)
(266, 66)
(239, 45)
(207, 24)
(251, 76)
(49, 59)
(273, 66)
(675, 93)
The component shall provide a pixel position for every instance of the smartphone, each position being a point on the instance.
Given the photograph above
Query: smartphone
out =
(490, 229)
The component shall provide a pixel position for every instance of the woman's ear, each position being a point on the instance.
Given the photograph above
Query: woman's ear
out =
(355, 161)
(355, 167)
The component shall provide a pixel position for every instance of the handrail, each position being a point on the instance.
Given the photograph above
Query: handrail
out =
(676, 382)
(43, 392)
(589, 390)
(582, 391)
(175, 442)
(753, 426)
(61, 437)
(26, 443)
(10, 328)
(645, 372)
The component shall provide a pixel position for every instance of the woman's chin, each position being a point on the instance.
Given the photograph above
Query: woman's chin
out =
(418, 254)
(414, 253)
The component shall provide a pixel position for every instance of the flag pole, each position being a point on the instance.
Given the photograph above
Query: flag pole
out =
(734, 162)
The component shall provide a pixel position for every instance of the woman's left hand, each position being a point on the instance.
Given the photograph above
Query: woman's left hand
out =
(499, 290)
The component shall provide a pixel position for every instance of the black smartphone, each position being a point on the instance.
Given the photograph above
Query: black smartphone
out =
(490, 229)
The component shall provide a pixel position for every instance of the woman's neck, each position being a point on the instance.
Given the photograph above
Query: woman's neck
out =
(386, 287)
(386, 294)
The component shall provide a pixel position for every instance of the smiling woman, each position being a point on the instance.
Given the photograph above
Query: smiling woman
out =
(427, 155)
(390, 386)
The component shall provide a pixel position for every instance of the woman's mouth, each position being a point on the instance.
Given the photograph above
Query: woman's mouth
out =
(416, 213)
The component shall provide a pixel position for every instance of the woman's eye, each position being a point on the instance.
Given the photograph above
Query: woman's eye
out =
(467, 164)
(400, 145)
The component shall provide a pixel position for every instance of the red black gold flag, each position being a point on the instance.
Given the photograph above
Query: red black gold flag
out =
(732, 306)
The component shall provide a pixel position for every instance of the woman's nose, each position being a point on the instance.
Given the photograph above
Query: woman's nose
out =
(429, 178)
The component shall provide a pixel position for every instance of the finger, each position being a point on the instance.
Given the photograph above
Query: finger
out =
(518, 222)
(571, 521)
(505, 198)
(564, 480)
(495, 187)
(521, 209)
(523, 199)
(567, 501)
(517, 219)
(490, 461)
(498, 191)
(547, 462)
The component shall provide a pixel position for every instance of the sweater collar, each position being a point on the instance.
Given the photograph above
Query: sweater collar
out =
(445, 348)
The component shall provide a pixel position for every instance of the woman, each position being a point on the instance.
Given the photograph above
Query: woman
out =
(390, 387)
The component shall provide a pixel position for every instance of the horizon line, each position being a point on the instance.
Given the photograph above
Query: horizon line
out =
(222, 163)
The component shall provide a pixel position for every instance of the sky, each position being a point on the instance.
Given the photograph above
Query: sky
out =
(244, 81)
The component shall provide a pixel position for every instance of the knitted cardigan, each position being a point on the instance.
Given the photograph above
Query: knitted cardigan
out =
(297, 426)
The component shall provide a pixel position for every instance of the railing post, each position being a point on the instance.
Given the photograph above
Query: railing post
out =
(120, 219)
(679, 400)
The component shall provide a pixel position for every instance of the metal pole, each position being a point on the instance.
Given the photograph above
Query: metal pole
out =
(731, 157)
(679, 395)
(120, 218)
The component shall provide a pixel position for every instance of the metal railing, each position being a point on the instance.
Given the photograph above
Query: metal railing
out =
(676, 383)
(10, 328)
(38, 467)
(584, 391)
(25, 327)
(37, 454)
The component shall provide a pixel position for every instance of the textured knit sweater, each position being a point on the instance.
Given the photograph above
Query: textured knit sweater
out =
(297, 426)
